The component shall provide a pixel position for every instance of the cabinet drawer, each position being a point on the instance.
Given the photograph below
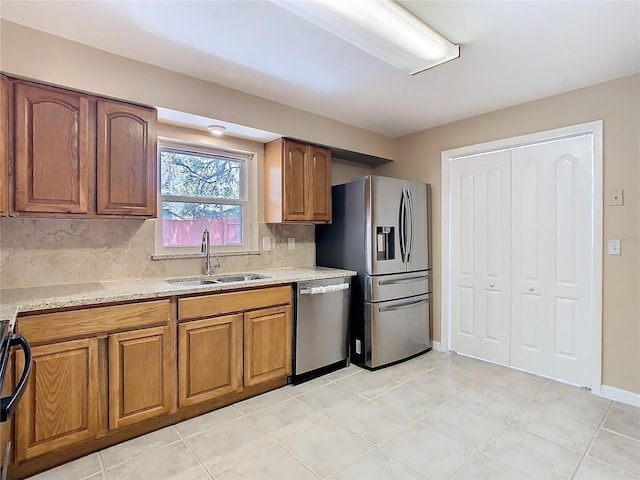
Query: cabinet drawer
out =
(47, 327)
(221, 303)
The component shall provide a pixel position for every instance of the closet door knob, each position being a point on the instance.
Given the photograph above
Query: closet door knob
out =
(492, 285)
(531, 289)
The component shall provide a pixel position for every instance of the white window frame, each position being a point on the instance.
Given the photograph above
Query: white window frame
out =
(248, 196)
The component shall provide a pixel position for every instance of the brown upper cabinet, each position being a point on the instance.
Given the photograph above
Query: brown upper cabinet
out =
(4, 145)
(297, 183)
(78, 155)
(126, 134)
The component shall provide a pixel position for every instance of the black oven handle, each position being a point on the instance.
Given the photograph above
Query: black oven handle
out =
(8, 404)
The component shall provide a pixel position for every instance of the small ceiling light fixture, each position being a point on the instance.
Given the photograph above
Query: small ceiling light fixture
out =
(217, 130)
(382, 28)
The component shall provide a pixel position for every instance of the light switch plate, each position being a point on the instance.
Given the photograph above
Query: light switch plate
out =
(617, 198)
(291, 243)
(266, 244)
(613, 246)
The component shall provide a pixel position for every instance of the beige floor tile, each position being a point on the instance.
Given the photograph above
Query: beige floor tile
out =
(97, 476)
(403, 372)
(428, 451)
(207, 421)
(618, 451)
(273, 463)
(409, 401)
(376, 466)
(522, 387)
(482, 467)
(326, 448)
(281, 417)
(591, 469)
(170, 462)
(258, 402)
(368, 384)
(561, 429)
(331, 399)
(75, 470)
(374, 421)
(573, 401)
(439, 384)
(488, 403)
(137, 446)
(468, 427)
(344, 372)
(221, 448)
(430, 359)
(624, 419)
(467, 369)
(528, 453)
(296, 390)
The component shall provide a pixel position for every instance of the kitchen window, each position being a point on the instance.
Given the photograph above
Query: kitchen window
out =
(202, 187)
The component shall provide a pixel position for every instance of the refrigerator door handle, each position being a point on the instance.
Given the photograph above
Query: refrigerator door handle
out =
(402, 306)
(410, 218)
(399, 281)
(402, 226)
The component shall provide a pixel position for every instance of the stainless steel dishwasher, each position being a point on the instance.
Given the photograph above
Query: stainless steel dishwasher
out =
(321, 325)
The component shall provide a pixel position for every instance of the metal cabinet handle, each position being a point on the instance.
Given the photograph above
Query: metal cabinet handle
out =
(8, 404)
(400, 281)
(403, 306)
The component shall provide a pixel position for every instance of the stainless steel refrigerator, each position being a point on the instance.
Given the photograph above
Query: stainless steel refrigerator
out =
(381, 230)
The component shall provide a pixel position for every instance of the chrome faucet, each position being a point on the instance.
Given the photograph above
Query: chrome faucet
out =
(206, 249)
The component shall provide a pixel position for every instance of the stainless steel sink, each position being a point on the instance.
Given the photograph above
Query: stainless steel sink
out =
(191, 282)
(247, 277)
(217, 280)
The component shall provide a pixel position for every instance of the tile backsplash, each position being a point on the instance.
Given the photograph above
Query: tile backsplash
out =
(40, 252)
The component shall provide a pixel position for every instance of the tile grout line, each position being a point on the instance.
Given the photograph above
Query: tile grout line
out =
(190, 448)
(593, 439)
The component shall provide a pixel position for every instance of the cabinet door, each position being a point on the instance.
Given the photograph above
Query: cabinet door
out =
(320, 186)
(267, 344)
(59, 407)
(297, 198)
(52, 157)
(210, 359)
(140, 375)
(126, 159)
(4, 145)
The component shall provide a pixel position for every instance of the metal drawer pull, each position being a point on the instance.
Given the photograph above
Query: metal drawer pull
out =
(403, 306)
(403, 280)
(326, 289)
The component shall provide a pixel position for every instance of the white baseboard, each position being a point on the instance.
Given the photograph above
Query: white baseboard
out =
(619, 395)
(437, 346)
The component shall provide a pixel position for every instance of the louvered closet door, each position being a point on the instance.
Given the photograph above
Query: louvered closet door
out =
(480, 189)
(552, 316)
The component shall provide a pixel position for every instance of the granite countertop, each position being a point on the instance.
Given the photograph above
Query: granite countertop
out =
(19, 300)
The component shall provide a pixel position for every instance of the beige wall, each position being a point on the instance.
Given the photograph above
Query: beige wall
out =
(37, 55)
(343, 171)
(617, 103)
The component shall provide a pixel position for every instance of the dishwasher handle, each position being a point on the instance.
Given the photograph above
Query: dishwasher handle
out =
(325, 289)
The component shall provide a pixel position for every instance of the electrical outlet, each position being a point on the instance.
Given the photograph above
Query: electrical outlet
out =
(613, 246)
(291, 243)
(266, 243)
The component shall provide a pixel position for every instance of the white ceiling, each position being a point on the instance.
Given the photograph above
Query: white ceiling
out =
(511, 52)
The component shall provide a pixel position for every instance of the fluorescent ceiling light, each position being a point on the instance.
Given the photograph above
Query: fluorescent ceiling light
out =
(382, 28)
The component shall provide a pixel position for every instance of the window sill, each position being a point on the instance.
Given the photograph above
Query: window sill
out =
(184, 256)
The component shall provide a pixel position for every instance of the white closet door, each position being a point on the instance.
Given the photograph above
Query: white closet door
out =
(552, 320)
(480, 189)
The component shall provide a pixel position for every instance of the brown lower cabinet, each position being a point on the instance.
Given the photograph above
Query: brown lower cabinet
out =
(104, 374)
(209, 359)
(59, 407)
